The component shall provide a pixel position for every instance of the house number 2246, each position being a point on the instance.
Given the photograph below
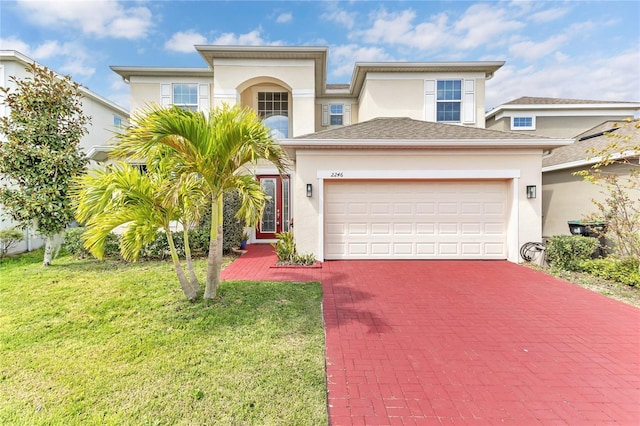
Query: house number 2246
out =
(337, 174)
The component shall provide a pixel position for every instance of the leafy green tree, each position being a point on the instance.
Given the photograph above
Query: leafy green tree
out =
(121, 195)
(41, 155)
(214, 146)
(620, 207)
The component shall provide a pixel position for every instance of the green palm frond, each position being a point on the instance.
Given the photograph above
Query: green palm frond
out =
(253, 199)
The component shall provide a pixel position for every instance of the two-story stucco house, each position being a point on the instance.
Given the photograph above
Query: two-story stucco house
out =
(105, 117)
(396, 164)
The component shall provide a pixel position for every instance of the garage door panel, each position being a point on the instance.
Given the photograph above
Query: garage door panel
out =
(380, 229)
(471, 228)
(415, 219)
(471, 249)
(380, 208)
(425, 228)
(447, 208)
(425, 249)
(358, 229)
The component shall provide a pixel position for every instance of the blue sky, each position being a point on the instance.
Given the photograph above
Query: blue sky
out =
(571, 49)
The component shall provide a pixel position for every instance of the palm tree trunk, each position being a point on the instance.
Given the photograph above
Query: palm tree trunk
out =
(187, 254)
(214, 260)
(189, 291)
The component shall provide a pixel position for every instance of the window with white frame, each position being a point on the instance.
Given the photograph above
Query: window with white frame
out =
(523, 123)
(449, 100)
(273, 107)
(336, 114)
(185, 96)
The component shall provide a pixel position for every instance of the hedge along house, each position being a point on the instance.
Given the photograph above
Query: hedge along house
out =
(394, 165)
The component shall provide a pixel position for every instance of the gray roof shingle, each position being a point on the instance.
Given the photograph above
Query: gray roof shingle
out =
(594, 138)
(530, 100)
(403, 128)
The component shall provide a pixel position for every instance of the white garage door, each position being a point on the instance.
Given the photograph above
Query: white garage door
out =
(415, 219)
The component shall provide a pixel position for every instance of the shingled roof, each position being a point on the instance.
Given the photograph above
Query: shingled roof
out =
(530, 100)
(595, 138)
(403, 128)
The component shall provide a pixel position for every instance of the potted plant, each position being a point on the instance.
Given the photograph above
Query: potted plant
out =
(243, 242)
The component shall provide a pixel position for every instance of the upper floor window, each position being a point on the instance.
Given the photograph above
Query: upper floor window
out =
(273, 107)
(522, 123)
(449, 100)
(117, 121)
(186, 96)
(336, 114)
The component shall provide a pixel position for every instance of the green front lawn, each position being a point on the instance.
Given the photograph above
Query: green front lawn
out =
(90, 342)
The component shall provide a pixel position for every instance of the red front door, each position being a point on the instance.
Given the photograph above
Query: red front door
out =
(275, 217)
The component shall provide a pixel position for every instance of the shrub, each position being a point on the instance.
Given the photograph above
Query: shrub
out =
(624, 271)
(285, 247)
(9, 238)
(158, 249)
(286, 251)
(232, 228)
(567, 252)
(74, 244)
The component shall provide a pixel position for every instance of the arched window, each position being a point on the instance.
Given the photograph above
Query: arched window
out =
(273, 107)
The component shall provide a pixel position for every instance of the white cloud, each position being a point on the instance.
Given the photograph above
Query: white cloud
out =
(283, 18)
(339, 16)
(100, 18)
(480, 24)
(183, 42)
(66, 58)
(483, 23)
(532, 51)
(390, 28)
(13, 43)
(344, 57)
(548, 15)
(606, 78)
(252, 38)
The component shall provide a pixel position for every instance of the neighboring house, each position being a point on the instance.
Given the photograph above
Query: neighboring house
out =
(557, 118)
(566, 197)
(105, 118)
(394, 165)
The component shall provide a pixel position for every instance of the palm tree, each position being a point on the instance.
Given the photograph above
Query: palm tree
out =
(215, 147)
(120, 195)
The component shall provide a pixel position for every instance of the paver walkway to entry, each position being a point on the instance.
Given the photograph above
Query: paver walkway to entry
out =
(467, 342)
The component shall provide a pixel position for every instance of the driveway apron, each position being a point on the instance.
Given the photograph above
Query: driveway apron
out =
(469, 342)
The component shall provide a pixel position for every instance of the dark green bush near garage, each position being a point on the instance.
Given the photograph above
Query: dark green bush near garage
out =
(568, 252)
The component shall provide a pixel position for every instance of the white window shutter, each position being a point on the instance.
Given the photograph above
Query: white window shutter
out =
(203, 97)
(346, 118)
(325, 114)
(430, 100)
(469, 102)
(165, 94)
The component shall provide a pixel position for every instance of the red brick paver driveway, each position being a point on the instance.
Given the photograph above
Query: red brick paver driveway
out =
(468, 342)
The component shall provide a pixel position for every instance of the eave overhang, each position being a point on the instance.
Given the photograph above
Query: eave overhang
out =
(291, 146)
(127, 72)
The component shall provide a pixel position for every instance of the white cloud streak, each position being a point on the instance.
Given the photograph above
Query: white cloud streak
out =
(99, 18)
(283, 18)
(183, 42)
(72, 58)
(342, 58)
